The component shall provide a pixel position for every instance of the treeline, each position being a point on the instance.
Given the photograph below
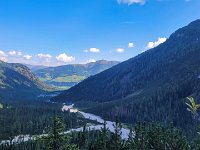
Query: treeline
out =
(151, 136)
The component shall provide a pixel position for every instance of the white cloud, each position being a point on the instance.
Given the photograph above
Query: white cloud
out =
(65, 58)
(12, 52)
(44, 56)
(28, 57)
(131, 45)
(3, 56)
(91, 61)
(130, 2)
(151, 45)
(92, 50)
(120, 50)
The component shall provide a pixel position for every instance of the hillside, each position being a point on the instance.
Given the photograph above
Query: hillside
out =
(17, 82)
(149, 87)
(67, 76)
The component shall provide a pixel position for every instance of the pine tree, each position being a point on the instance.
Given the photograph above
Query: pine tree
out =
(104, 136)
(56, 138)
(130, 141)
(140, 138)
(102, 142)
(116, 141)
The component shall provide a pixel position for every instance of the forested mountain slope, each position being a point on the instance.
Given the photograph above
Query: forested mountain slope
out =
(17, 81)
(69, 75)
(151, 86)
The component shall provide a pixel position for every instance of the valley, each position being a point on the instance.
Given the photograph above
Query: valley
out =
(64, 77)
(100, 75)
(98, 121)
(154, 84)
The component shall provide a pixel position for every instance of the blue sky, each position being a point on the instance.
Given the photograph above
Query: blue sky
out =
(57, 32)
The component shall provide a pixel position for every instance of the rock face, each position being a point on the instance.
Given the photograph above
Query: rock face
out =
(17, 81)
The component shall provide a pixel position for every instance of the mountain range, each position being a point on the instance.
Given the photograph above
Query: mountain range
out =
(152, 86)
(18, 82)
(64, 77)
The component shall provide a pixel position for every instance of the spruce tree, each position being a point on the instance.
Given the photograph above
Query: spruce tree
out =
(56, 138)
(102, 142)
(130, 141)
(116, 141)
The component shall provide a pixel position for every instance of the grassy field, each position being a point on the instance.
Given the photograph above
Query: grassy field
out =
(62, 82)
(73, 78)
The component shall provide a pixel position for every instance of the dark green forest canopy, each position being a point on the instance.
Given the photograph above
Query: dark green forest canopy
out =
(33, 118)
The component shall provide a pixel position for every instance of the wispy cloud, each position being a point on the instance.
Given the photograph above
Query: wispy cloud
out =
(28, 57)
(90, 61)
(130, 2)
(44, 56)
(92, 50)
(120, 50)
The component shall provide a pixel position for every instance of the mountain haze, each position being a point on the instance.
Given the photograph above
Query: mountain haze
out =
(34, 68)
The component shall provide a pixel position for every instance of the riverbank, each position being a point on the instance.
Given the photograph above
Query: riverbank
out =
(109, 124)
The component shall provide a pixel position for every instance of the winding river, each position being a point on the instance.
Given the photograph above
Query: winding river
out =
(109, 125)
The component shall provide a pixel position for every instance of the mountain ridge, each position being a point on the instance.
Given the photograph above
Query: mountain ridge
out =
(70, 75)
(17, 81)
(122, 66)
(153, 85)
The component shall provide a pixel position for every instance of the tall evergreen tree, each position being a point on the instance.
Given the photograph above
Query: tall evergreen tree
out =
(56, 138)
(102, 142)
(116, 141)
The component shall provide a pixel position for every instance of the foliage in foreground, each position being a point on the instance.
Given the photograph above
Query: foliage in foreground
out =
(144, 136)
(151, 136)
(56, 139)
